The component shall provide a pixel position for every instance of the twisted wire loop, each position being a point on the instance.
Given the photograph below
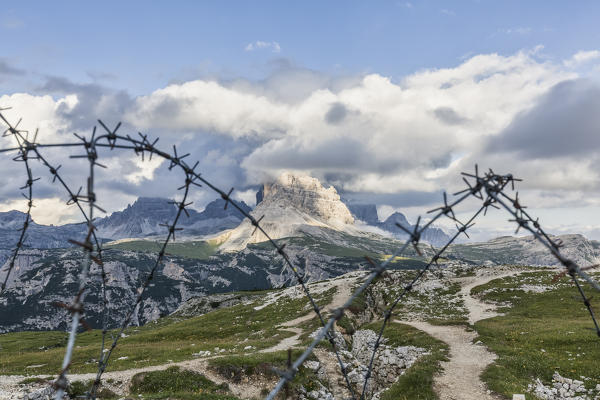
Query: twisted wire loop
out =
(77, 306)
(489, 188)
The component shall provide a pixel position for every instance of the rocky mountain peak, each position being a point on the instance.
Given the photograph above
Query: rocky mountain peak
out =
(308, 195)
(12, 219)
(365, 212)
(397, 218)
(288, 205)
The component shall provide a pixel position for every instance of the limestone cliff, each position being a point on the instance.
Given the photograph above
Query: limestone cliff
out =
(287, 205)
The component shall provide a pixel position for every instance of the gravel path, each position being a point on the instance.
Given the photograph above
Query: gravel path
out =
(460, 379)
(343, 292)
(479, 310)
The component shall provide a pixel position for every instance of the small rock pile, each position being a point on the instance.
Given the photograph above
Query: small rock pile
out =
(564, 388)
(389, 363)
(322, 393)
(46, 393)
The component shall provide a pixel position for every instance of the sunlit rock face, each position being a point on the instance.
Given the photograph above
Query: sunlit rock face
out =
(288, 205)
(308, 195)
(147, 216)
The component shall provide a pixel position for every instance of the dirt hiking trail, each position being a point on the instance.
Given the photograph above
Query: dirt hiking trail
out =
(460, 379)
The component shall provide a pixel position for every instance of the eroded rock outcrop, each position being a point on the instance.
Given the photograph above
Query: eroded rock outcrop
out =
(288, 204)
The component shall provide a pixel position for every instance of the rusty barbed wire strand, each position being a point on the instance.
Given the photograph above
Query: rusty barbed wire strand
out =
(494, 186)
(78, 305)
(192, 177)
(145, 146)
(388, 313)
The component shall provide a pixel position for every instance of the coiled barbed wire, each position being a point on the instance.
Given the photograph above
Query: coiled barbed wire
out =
(493, 185)
(140, 147)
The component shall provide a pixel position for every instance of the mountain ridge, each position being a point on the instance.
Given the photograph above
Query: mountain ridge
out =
(368, 214)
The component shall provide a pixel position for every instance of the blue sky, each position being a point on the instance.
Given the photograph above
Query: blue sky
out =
(388, 101)
(140, 45)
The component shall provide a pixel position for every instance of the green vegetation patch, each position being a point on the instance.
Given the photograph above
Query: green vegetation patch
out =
(262, 366)
(540, 333)
(224, 331)
(198, 249)
(174, 382)
(354, 249)
(439, 306)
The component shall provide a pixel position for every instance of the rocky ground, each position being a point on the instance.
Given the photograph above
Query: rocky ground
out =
(459, 379)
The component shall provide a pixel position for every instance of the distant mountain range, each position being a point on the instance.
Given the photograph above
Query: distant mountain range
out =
(367, 213)
(291, 201)
(141, 219)
(222, 252)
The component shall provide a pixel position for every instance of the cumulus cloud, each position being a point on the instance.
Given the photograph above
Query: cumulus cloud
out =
(384, 136)
(259, 44)
(582, 57)
(564, 123)
(396, 142)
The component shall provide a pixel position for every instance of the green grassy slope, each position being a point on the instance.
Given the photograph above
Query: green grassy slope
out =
(540, 333)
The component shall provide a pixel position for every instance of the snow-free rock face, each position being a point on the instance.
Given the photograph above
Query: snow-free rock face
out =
(527, 250)
(287, 205)
(141, 219)
(37, 236)
(368, 214)
(365, 212)
(306, 194)
(145, 216)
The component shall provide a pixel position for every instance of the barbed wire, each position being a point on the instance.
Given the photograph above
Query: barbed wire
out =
(22, 157)
(490, 184)
(76, 198)
(141, 147)
(494, 187)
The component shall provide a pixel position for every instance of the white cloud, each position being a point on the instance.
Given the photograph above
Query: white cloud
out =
(582, 57)
(375, 134)
(363, 134)
(259, 44)
(519, 30)
(145, 170)
(61, 213)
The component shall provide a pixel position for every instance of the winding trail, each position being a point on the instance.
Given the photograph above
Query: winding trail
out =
(460, 379)
(343, 287)
(10, 383)
(121, 380)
